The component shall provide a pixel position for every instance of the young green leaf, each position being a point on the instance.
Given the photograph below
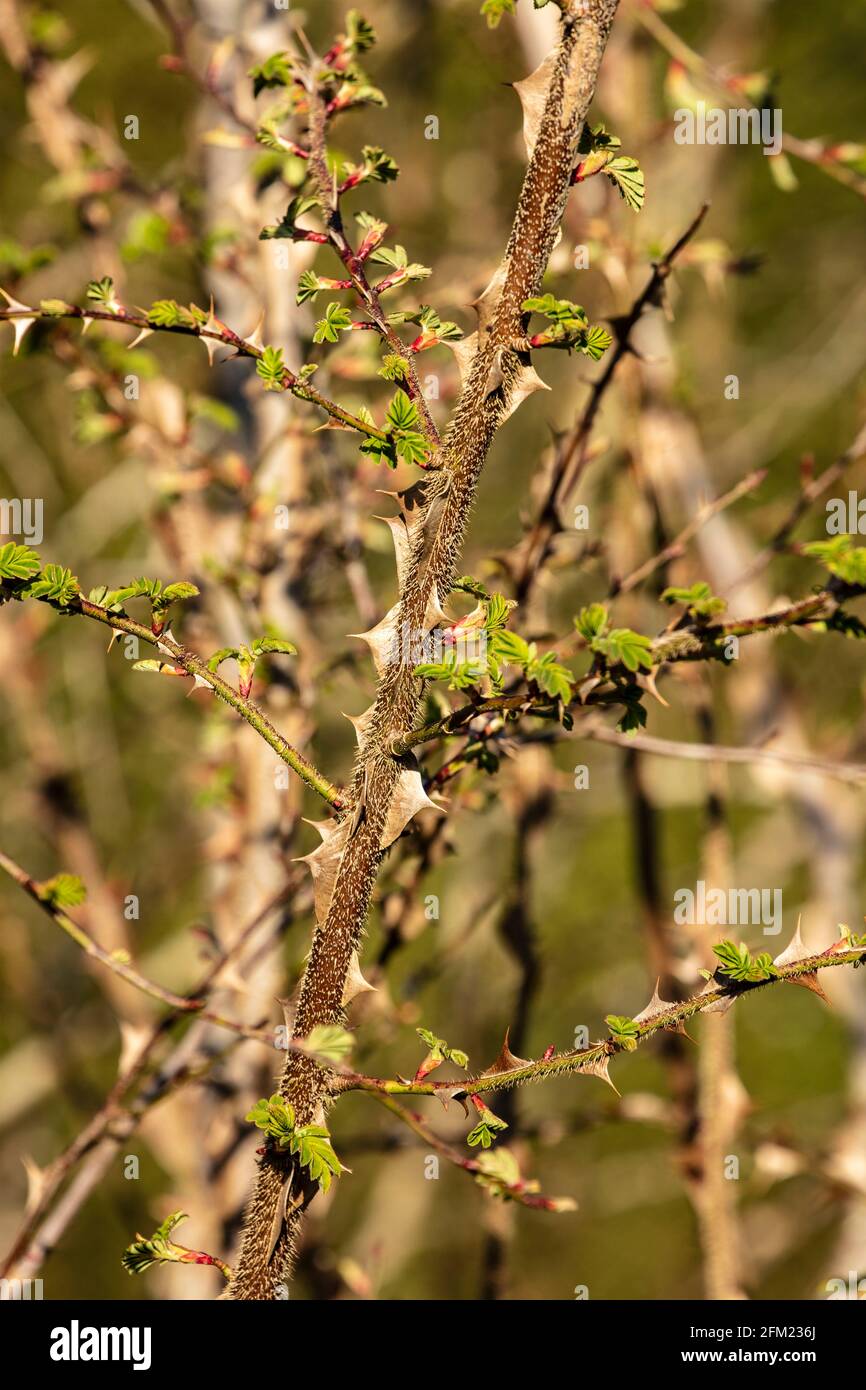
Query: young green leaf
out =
(56, 585)
(156, 1249)
(486, 1130)
(623, 1031)
(734, 961)
(699, 600)
(622, 646)
(591, 621)
(271, 368)
(18, 561)
(312, 1145)
(336, 321)
(63, 890)
(330, 1042)
(495, 9)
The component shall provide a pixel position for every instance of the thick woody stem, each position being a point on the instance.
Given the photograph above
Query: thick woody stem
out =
(262, 1267)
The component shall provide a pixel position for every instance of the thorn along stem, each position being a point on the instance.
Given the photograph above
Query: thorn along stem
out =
(669, 1017)
(693, 643)
(443, 518)
(218, 333)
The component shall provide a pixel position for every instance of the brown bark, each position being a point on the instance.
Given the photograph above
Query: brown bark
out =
(496, 381)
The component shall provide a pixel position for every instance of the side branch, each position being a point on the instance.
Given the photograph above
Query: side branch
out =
(211, 331)
(192, 665)
(718, 996)
(122, 967)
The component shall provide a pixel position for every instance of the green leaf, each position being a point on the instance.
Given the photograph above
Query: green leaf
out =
(377, 167)
(309, 285)
(330, 1042)
(287, 225)
(222, 655)
(312, 1145)
(385, 255)
(595, 342)
(63, 890)
(167, 313)
(466, 584)
(591, 621)
(460, 675)
(699, 600)
(624, 1031)
(498, 609)
(628, 178)
(763, 967)
(560, 311)
(18, 561)
(56, 585)
(102, 292)
(622, 646)
(402, 413)
(382, 450)
(275, 71)
(569, 327)
(275, 1117)
(360, 34)
(486, 1130)
(734, 961)
(495, 9)
(412, 446)
(550, 676)
(267, 646)
(512, 649)
(182, 589)
(271, 368)
(634, 715)
(158, 1249)
(394, 367)
(439, 1050)
(402, 271)
(838, 556)
(336, 321)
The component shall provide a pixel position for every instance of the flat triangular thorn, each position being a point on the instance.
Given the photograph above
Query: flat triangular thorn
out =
(655, 1006)
(506, 1060)
(212, 326)
(361, 723)
(19, 326)
(794, 951)
(409, 798)
(599, 1066)
(533, 92)
(720, 1005)
(139, 338)
(382, 639)
(355, 982)
(255, 339)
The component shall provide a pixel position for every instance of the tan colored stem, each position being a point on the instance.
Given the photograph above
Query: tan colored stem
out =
(261, 1271)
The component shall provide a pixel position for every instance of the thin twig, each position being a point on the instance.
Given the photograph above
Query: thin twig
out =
(720, 753)
(718, 993)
